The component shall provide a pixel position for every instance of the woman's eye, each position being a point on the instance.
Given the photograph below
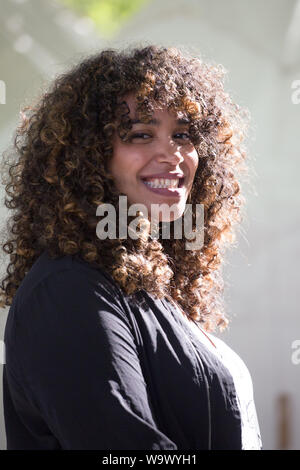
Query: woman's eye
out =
(182, 135)
(139, 135)
(144, 136)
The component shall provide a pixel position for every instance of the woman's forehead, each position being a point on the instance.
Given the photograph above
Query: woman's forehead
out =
(158, 109)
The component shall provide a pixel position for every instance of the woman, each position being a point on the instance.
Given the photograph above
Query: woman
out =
(108, 337)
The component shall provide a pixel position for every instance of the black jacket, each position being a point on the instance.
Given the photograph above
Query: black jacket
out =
(88, 368)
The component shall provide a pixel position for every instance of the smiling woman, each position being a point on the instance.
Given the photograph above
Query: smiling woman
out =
(108, 341)
(156, 163)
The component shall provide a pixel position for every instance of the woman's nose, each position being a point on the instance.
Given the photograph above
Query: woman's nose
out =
(168, 151)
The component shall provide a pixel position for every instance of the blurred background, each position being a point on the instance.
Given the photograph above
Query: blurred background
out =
(258, 43)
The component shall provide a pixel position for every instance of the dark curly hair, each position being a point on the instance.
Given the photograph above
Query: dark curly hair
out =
(56, 174)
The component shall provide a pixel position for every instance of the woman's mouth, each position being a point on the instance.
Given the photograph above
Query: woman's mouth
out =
(165, 186)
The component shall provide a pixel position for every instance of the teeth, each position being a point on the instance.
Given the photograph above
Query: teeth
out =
(163, 183)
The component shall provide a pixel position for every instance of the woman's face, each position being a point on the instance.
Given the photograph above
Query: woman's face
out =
(151, 164)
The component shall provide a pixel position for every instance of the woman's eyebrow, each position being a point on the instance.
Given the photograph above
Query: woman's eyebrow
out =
(157, 122)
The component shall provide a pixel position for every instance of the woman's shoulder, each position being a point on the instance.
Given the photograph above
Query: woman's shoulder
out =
(63, 291)
(59, 272)
(59, 293)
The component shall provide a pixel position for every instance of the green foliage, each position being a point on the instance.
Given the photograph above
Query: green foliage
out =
(108, 15)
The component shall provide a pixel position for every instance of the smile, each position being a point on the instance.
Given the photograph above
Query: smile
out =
(163, 183)
(156, 182)
(165, 187)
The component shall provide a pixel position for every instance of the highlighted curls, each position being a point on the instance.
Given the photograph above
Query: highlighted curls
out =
(56, 174)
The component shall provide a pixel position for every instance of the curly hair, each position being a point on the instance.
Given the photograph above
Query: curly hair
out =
(59, 175)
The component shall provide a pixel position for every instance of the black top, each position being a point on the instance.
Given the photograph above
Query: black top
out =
(90, 368)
